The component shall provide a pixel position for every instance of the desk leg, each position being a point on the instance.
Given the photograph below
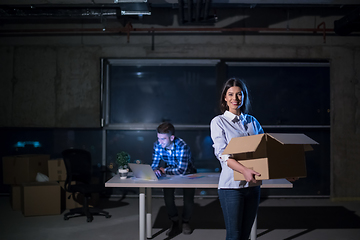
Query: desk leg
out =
(142, 214)
(253, 230)
(148, 213)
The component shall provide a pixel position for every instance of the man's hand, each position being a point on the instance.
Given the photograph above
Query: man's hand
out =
(159, 172)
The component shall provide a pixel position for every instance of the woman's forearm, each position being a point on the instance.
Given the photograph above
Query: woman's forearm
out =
(235, 165)
(249, 174)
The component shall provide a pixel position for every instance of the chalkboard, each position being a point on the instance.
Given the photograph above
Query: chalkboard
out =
(287, 93)
(144, 91)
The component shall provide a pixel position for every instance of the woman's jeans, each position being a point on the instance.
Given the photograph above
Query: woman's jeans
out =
(239, 207)
(188, 205)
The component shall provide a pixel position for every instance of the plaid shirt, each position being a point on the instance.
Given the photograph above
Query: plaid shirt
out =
(177, 161)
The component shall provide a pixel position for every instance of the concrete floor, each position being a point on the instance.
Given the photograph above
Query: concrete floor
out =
(310, 219)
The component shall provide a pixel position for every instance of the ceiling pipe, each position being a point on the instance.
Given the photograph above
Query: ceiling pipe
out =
(129, 29)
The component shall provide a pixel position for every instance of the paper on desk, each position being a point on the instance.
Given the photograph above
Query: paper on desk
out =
(193, 176)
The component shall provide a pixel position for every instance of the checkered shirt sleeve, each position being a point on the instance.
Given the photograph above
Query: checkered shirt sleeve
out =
(177, 161)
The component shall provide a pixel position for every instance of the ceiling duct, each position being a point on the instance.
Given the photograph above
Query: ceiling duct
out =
(348, 24)
(195, 12)
(56, 12)
(74, 11)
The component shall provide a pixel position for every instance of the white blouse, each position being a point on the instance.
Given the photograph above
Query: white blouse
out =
(223, 128)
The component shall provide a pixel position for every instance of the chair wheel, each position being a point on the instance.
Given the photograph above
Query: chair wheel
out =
(108, 216)
(66, 218)
(89, 219)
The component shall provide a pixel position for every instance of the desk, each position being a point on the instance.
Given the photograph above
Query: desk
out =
(199, 180)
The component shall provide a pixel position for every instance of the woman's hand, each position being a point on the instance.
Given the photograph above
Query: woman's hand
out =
(248, 173)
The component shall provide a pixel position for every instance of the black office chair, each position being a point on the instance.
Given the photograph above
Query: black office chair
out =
(78, 169)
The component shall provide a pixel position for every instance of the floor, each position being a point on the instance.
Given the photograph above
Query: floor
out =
(290, 218)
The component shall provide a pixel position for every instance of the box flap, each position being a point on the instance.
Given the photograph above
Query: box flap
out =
(308, 147)
(243, 144)
(292, 138)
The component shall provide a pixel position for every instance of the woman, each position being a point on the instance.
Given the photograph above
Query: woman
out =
(239, 199)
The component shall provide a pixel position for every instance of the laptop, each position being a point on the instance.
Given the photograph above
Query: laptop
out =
(143, 171)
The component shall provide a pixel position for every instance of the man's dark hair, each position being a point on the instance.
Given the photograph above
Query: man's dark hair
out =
(167, 128)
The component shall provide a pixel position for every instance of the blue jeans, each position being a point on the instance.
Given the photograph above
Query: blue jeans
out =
(239, 207)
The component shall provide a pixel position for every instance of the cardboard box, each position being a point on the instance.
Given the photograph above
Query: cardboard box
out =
(77, 200)
(41, 198)
(15, 197)
(23, 168)
(273, 155)
(56, 170)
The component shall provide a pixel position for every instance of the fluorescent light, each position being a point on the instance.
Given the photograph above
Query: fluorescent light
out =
(128, 1)
(134, 9)
(135, 13)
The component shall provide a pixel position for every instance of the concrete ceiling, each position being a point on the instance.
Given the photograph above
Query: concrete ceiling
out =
(287, 2)
(161, 12)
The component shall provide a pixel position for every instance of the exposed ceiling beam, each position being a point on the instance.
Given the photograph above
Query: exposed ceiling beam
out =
(172, 2)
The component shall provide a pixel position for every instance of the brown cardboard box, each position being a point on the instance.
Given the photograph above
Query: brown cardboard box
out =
(41, 198)
(15, 197)
(57, 170)
(77, 200)
(273, 155)
(23, 168)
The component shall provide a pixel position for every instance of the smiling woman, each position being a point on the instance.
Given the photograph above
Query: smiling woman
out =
(235, 97)
(235, 196)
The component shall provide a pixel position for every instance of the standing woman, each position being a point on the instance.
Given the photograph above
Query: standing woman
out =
(239, 199)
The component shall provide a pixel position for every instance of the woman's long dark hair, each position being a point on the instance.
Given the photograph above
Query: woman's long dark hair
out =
(232, 82)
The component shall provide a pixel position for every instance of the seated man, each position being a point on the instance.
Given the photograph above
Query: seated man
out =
(172, 156)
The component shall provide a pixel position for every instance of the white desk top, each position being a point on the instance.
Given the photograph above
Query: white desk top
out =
(198, 180)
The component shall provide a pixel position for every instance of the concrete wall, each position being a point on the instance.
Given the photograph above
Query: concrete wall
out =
(54, 81)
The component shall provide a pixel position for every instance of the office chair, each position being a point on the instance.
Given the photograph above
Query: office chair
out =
(78, 180)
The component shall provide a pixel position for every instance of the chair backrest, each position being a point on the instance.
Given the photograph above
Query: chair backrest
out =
(78, 166)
